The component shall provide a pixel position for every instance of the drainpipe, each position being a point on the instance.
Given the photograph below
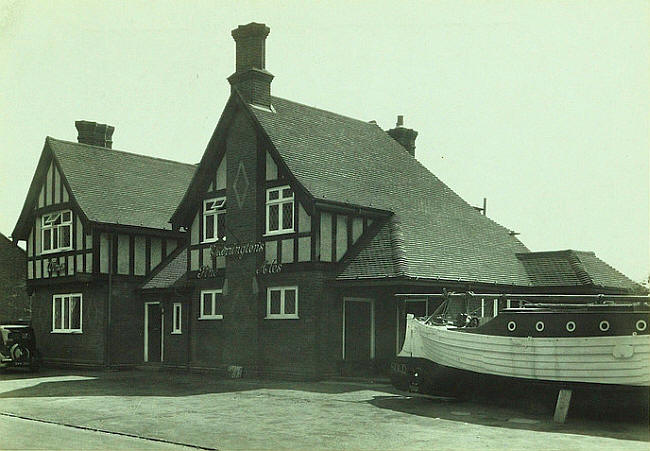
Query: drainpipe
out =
(107, 346)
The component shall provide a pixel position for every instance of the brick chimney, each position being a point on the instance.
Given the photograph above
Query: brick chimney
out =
(404, 136)
(95, 134)
(251, 79)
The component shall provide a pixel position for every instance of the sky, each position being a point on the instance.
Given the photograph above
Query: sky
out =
(542, 107)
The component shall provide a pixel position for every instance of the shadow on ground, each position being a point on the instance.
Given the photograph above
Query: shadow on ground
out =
(533, 414)
(62, 383)
(526, 414)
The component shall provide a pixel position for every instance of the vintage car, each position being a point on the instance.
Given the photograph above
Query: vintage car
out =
(18, 347)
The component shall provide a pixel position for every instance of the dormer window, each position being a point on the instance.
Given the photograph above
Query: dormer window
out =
(56, 231)
(214, 220)
(279, 210)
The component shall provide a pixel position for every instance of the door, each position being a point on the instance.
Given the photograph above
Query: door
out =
(358, 329)
(153, 336)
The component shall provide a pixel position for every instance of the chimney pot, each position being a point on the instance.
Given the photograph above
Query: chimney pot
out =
(95, 134)
(400, 121)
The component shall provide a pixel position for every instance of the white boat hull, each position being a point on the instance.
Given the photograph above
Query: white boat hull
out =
(615, 360)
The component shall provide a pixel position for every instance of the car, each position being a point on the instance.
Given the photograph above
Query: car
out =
(18, 347)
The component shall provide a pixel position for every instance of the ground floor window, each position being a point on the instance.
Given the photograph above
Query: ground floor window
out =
(66, 313)
(282, 302)
(211, 304)
(177, 315)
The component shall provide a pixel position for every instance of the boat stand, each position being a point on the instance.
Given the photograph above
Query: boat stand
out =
(562, 406)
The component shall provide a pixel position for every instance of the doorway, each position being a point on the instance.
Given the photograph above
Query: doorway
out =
(358, 329)
(154, 321)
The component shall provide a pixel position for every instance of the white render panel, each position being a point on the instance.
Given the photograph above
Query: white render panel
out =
(271, 168)
(195, 229)
(140, 255)
(48, 185)
(304, 249)
(194, 259)
(287, 251)
(341, 236)
(326, 237)
(221, 174)
(156, 252)
(122, 254)
(304, 220)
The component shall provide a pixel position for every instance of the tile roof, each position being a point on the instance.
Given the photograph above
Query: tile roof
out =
(171, 274)
(113, 186)
(571, 268)
(436, 233)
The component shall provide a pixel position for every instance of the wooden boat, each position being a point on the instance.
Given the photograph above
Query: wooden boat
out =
(567, 341)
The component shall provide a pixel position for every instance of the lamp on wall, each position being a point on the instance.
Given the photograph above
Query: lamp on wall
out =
(224, 289)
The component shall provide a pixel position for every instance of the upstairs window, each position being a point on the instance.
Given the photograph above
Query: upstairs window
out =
(56, 231)
(279, 210)
(66, 313)
(214, 220)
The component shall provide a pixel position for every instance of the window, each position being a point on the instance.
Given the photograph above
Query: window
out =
(211, 306)
(66, 313)
(282, 302)
(56, 230)
(279, 210)
(214, 219)
(176, 318)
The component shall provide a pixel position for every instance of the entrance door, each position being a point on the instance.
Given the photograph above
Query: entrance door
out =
(358, 329)
(153, 336)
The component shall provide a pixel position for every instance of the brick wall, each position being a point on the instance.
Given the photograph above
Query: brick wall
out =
(14, 302)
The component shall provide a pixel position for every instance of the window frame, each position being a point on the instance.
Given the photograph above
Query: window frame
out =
(213, 304)
(218, 210)
(280, 201)
(177, 319)
(68, 330)
(51, 228)
(282, 314)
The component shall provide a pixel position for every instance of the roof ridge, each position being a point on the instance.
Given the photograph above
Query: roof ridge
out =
(166, 160)
(329, 112)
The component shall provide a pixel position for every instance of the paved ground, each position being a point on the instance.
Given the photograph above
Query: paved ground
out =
(202, 411)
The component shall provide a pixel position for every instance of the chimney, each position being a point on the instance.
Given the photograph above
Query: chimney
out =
(95, 134)
(251, 79)
(404, 136)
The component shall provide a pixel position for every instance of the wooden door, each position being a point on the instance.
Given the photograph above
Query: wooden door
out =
(358, 331)
(153, 333)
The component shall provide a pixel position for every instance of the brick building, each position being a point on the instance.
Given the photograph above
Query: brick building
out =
(280, 253)
(14, 302)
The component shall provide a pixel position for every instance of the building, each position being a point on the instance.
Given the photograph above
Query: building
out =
(284, 248)
(14, 302)
(95, 228)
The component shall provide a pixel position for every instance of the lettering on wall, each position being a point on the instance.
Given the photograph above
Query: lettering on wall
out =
(239, 250)
(206, 272)
(272, 267)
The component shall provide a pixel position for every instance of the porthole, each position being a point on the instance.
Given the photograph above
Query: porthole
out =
(604, 326)
(539, 326)
(570, 326)
(641, 325)
(512, 326)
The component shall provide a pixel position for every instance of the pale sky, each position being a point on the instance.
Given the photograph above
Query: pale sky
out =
(540, 106)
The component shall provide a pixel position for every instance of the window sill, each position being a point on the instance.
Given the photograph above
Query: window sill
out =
(177, 333)
(279, 232)
(73, 332)
(210, 317)
(56, 251)
(282, 317)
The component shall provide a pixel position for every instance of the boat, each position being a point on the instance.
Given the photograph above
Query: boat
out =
(486, 342)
